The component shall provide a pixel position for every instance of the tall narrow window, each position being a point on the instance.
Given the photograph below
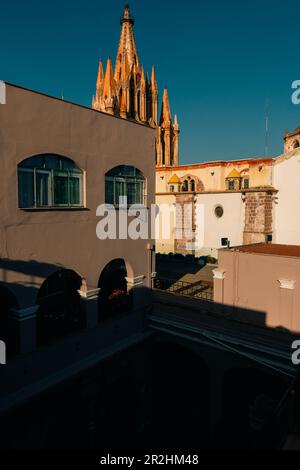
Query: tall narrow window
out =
(49, 181)
(231, 185)
(246, 183)
(185, 186)
(124, 182)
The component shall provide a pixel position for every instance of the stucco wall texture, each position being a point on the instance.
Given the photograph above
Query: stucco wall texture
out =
(263, 281)
(31, 124)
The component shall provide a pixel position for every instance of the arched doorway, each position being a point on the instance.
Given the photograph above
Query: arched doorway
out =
(7, 302)
(114, 297)
(59, 301)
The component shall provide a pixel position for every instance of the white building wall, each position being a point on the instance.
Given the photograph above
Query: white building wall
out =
(230, 225)
(287, 208)
(165, 224)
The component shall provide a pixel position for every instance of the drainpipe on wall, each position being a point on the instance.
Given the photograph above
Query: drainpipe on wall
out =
(150, 274)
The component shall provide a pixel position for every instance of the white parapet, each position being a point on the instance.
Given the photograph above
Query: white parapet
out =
(2, 92)
(287, 284)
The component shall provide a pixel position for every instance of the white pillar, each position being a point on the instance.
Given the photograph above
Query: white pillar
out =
(219, 278)
(89, 304)
(140, 291)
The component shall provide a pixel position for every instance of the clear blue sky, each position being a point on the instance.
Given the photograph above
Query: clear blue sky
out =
(220, 60)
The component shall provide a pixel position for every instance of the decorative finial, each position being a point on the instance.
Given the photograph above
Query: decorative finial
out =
(127, 16)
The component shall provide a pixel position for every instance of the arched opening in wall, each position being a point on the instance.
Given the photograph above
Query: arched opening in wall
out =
(251, 417)
(114, 297)
(59, 303)
(185, 186)
(180, 395)
(192, 185)
(296, 144)
(7, 302)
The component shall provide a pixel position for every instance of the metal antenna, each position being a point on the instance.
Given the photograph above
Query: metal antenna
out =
(267, 128)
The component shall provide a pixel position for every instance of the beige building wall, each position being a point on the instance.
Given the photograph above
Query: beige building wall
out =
(31, 124)
(246, 213)
(266, 285)
(213, 175)
(165, 224)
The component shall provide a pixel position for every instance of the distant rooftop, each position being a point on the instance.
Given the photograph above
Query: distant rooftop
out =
(270, 249)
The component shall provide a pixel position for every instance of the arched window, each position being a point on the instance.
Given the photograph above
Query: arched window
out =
(192, 185)
(296, 144)
(49, 181)
(185, 186)
(124, 182)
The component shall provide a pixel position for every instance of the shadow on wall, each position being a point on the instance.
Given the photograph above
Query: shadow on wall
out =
(60, 307)
(58, 299)
(31, 271)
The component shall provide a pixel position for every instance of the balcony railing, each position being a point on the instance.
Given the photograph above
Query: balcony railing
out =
(199, 289)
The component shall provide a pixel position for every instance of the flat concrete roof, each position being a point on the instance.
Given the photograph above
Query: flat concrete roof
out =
(270, 249)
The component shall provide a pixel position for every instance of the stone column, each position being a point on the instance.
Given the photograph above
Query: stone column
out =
(24, 329)
(258, 216)
(89, 304)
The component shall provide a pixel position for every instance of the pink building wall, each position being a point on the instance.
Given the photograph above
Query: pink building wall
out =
(267, 283)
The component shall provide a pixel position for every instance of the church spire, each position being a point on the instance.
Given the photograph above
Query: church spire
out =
(176, 125)
(100, 80)
(127, 15)
(153, 80)
(109, 89)
(165, 118)
(127, 46)
(130, 93)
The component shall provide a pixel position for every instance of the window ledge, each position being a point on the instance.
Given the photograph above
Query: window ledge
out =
(54, 209)
(127, 208)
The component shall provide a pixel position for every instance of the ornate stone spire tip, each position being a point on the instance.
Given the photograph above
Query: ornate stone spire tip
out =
(126, 15)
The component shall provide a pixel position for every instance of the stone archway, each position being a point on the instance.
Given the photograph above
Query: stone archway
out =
(59, 305)
(114, 296)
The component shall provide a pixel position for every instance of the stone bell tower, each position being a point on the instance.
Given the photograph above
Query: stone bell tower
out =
(128, 92)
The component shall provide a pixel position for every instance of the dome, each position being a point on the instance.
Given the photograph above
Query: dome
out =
(174, 180)
(234, 174)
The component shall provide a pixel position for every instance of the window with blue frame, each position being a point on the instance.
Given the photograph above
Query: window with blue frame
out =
(46, 181)
(124, 182)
